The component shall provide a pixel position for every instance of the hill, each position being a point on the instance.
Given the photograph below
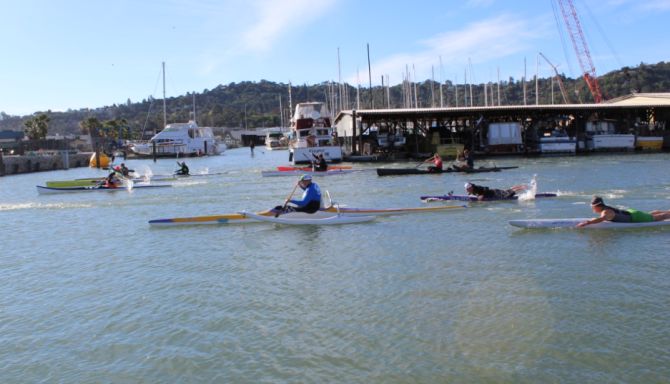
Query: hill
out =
(256, 104)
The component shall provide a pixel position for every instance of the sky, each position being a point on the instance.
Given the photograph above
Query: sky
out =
(70, 54)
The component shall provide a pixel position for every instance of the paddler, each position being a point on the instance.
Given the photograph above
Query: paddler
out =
(320, 164)
(616, 215)
(111, 181)
(436, 159)
(183, 169)
(124, 170)
(484, 193)
(310, 201)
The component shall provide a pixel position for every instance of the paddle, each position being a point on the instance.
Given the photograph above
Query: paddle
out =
(287, 199)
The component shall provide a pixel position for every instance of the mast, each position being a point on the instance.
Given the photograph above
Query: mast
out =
(194, 120)
(372, 101)
(290, 103)
(164, 103)
(281, 115)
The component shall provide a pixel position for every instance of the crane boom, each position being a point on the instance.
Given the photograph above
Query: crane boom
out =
(581, 48)
(566, 100)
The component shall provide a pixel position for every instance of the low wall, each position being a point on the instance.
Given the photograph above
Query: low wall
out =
(12, 165)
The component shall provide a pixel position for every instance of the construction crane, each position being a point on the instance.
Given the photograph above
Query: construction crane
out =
(566, 100)
(579, 43)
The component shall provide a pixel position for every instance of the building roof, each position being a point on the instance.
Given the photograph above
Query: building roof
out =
(642, 100)
(633, 101)
(11, 135)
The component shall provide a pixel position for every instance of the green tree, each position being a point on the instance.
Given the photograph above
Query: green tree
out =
(36, 128)
(90, 126)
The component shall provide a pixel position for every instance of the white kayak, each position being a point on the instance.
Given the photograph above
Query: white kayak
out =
(51, 190)
(306, 220)
(572, 223)
(237, 218)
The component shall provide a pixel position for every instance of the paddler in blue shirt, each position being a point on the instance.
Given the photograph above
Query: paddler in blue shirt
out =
(616, 215)
(310, 201)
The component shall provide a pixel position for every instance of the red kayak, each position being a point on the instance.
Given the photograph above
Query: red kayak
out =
(309, 169)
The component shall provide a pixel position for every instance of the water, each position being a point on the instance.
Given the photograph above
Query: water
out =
(90, 293)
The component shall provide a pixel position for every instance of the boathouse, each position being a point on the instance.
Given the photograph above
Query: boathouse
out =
(637, 121)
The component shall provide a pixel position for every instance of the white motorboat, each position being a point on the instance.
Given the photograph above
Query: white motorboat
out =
(602, 135)
(556, 143)
(180, 139)
(311, 134)
(275, 140)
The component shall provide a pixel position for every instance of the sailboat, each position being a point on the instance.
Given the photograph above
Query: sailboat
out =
(179, 139)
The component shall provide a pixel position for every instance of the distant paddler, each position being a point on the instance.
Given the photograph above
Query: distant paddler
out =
(319, 164)
(436, 159)
(616, 215)
(310, 202)
(183, 169)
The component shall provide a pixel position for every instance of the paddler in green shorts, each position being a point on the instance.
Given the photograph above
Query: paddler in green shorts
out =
(616, 215)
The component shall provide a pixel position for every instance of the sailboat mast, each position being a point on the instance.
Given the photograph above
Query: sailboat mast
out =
(281, 115)
(164, 103)
(194, 120)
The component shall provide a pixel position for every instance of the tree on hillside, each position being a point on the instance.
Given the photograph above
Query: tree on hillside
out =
(90, 126)
(36, 128)
(115, 129)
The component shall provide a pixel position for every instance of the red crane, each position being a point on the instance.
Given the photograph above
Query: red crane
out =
(579, 43)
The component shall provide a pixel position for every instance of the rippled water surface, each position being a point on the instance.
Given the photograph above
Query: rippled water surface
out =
(90, 293)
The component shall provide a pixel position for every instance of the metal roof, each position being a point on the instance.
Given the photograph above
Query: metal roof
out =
(634, 101)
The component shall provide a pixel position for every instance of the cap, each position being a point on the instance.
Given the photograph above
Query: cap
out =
(597, 200)
(468, 185)
(306, 177)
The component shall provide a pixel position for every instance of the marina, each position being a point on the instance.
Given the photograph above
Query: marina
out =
(459, 293)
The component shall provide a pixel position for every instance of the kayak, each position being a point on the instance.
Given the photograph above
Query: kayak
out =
(237, 218)
(92, 182)
(86, 182)
(284, 169)
(51, 190)
(329, 172)
(332, 219)
(571, 223)
(418, 171)
(474, 198)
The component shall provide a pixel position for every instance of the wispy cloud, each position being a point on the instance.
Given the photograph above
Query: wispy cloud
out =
(479, 42)
(259, 25)
(275, 17)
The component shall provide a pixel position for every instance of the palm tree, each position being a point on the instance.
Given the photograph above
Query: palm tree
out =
(37, 127)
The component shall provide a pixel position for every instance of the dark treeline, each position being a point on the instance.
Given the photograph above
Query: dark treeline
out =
(256, 104)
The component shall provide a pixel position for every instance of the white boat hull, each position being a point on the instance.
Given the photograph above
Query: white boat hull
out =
(572, 223)
(611, 141)
(311, 219)
(305, 155)
(551, 145)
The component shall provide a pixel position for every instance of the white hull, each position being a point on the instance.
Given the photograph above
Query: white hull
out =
(571, 223)
(310, 219)
(179, 140)
(610, 141)
(558, 145)
(305, 155)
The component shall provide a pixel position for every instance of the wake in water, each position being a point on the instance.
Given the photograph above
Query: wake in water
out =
(530, 192)
(34, 205)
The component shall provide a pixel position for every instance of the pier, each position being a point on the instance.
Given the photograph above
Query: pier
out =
(392, 133)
